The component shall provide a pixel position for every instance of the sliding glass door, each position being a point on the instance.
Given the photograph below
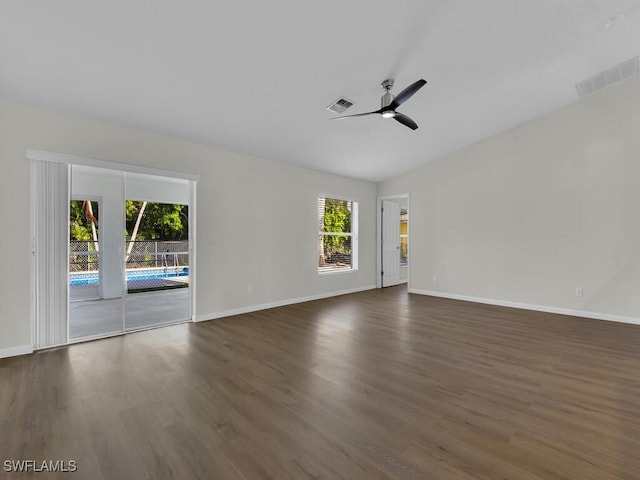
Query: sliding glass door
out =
(96, 305)
(156, 251)
(128, 252)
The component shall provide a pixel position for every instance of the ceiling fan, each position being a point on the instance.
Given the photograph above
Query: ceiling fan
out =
(390, 103)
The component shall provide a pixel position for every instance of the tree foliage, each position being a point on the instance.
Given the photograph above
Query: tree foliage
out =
(337, 219)
(160, 221)
(79, 224)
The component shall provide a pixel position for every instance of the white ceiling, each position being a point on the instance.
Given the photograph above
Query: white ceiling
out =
(256, 76)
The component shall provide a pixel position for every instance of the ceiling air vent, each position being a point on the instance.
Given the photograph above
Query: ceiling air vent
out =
(340, 105)
(608, 77)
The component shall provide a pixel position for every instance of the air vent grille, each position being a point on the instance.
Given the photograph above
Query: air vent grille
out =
(608, 77)
(340, 105)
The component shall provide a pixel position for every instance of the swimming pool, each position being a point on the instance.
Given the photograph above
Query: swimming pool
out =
(91, 278)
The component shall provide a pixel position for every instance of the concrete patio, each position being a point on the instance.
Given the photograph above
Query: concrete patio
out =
(94, 317)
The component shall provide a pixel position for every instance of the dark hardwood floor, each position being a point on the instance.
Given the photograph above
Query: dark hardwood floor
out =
(374, 385)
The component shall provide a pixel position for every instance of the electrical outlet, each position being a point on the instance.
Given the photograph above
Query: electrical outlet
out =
(579, 292)
(435, 278)
(249, 288)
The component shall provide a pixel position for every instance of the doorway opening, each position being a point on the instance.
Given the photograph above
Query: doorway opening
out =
(157, 246)
(393, 245)
(128, 252)
(156, 263)
(84, 249)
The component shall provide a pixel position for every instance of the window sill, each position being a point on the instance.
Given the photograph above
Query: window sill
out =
(338, 272)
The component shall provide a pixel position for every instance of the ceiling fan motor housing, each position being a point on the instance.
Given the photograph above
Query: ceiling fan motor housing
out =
(386, 100)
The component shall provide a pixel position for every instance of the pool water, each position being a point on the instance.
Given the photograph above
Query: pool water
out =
(91, 278)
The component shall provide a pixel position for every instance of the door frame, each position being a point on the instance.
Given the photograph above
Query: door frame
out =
(379, 235)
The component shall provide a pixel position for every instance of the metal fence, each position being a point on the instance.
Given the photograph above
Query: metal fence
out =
(149, 264)
(83, 256)
(150, 253)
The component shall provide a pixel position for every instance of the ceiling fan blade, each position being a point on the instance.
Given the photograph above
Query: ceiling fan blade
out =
(407, 93)
(356, 115)
(403, 119)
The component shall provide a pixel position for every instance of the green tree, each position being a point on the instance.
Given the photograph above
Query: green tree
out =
(160, 221)
(337, 219)
(83, 227)
(80, 227)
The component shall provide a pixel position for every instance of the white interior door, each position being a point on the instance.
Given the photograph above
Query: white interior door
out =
(390, 243)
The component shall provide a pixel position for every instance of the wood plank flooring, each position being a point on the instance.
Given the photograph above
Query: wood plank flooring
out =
(374, 385)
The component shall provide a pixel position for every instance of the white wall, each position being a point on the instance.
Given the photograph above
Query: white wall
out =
(240, 240)
(529, 215)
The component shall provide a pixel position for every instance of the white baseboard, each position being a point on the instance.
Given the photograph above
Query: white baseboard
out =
(15, 351)
(280, 303)
(528, 306)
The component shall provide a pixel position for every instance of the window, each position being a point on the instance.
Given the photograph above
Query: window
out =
(404, 238)
(337, 235)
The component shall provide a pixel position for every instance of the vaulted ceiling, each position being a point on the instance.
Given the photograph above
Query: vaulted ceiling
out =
(256, 77)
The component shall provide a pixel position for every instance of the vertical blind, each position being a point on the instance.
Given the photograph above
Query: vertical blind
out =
(50, 233)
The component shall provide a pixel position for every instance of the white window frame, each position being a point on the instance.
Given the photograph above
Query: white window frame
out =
(353, 234)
